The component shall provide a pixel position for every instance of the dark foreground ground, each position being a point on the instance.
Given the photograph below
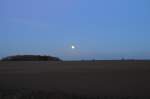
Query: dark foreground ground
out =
(74, 80)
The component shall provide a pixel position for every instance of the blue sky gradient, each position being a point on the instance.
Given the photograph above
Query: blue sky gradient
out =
(100, 29)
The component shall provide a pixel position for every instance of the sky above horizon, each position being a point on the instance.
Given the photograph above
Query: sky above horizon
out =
(99, 29)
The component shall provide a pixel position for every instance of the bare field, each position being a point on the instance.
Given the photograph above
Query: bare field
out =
(114, 78)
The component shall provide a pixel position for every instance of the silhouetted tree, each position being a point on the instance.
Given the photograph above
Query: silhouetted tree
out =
(30, 58)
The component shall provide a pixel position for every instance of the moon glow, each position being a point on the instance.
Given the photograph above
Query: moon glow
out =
(72, 47)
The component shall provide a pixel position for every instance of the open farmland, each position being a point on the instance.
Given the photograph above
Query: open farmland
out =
(97, 78)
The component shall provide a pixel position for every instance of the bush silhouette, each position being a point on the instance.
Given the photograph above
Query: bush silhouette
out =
(30, 58)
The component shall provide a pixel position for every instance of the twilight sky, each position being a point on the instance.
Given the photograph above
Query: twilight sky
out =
(99, 29)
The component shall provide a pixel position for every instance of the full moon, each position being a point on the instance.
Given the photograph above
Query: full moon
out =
(72, 47)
